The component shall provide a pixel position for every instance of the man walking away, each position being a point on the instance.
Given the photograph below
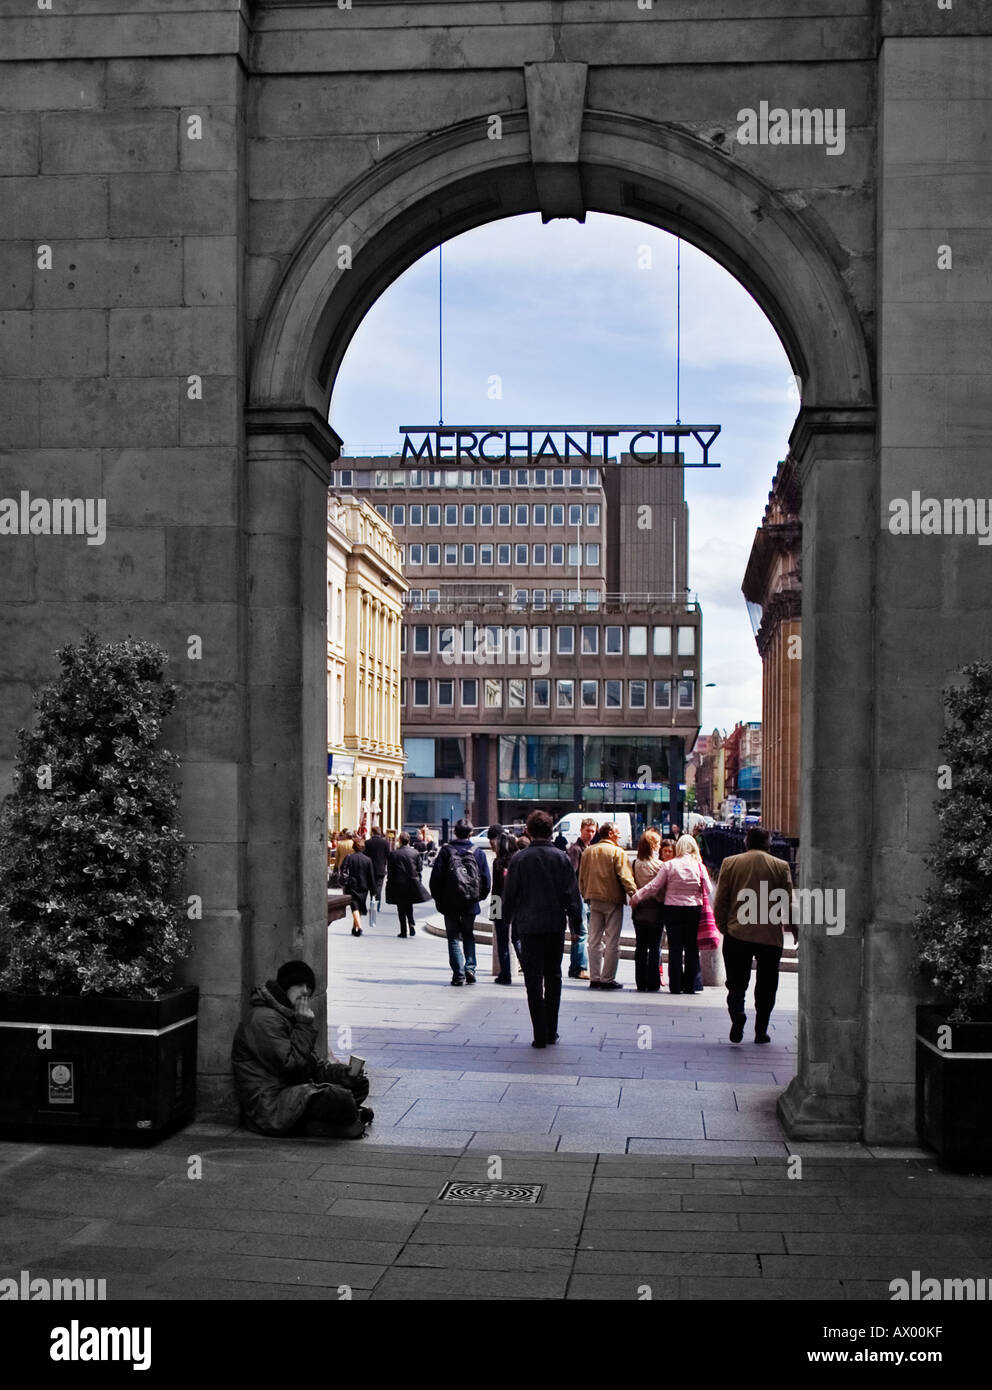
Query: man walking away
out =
(377, 849)
(578, 967)
(459, 879)
(539, 893)
(403, 883)
(605, 881)
(746, 939)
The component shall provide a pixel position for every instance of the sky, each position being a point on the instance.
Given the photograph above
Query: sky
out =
(578, 320)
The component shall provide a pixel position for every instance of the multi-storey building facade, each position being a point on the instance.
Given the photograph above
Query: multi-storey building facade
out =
(742, 753)
(551, 646)
(365, 769)
(772, 589)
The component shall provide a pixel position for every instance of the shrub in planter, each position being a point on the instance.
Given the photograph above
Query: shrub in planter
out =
(954, 934)
(92, 856)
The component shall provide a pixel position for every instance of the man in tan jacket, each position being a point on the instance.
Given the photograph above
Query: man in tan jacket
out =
(752, 904)
(605, 881)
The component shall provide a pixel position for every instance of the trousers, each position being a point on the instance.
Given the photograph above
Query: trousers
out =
(737, 956)
(541, 953)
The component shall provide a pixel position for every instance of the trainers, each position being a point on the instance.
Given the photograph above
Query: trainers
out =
(737, 1027)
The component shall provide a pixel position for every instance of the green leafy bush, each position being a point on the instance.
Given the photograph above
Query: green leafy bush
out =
(954, 925)
(91, 856)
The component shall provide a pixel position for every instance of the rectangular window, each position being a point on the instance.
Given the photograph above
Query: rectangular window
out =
(445, 640)
(486, 514)
(433, 595)
(557, 595)
(574, 551)
(451, 555)
(468, 554)
(687, 694)
(494, 693)
(592, 513)
(402, 556)
(494, 639)
(347, 476)
(557, 477)
(662, 641)
(503, 514)
(434, 515)
(557, 514)
(592, 553)
(416, 515)
(557, 554)
(517, 694)
(575, 477)
(521, 514)
(416, 477)
(421, 694)
(590, 641)
(637, 694)
(487, 477)
(540, 477)
(522, 477)
(485, 554)
(451, 477)
(451, 514)
(540, 694)
(503, 556)
(592, 598)
(540, 598)
(383, 510)
(421, 640)
(662, 694)
(687, 641)
(468, 514)
(517, 641)
(468, 477)
(399, 515)
(470, 692)
(539, 554)
(504, 477)
(613, 697)
(445, 693)
(521, 554)
(590, 694)
(614, 641)
(540, 514)
(575, 514)
(403, 693)
(566, 694)
(520, 597)
(637, 641)
(566, 641)
(403, 641)
(416, 555)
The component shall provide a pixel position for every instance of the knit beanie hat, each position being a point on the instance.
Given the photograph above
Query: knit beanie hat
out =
(296, 972)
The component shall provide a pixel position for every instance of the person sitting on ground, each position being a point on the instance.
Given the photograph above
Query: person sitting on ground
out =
(539, 894)
(358, 879)
(284, 1087)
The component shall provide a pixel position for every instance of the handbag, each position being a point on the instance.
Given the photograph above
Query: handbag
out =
(708, 936)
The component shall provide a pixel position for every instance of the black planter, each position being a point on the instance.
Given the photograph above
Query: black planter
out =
(97, 1067)
(954, 1089)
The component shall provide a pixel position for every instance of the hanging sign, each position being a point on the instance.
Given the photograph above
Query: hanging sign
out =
(557, 444)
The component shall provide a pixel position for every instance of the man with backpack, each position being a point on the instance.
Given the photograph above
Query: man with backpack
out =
(459, 880)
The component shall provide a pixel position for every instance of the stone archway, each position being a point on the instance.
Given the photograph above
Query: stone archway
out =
(457, 179)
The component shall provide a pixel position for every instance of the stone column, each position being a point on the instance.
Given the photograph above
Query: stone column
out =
(290, 454)
(834, 450)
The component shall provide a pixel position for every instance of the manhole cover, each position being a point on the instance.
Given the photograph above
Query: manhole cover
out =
(528, 1193)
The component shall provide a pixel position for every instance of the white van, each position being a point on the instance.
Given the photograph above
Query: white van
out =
(569, 825)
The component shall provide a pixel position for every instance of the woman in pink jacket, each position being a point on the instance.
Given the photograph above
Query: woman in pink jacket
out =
(679, 883)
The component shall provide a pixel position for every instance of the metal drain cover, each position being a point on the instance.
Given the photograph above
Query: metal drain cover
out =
(528, 1193)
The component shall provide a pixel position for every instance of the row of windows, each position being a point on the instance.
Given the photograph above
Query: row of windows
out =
(494, 638)
(341, 478)
(413, 555)
(481, 477)
(589, 694)
(590, 598)
(490, 514)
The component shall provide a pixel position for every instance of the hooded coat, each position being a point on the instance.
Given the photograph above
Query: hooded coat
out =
(276, 1067)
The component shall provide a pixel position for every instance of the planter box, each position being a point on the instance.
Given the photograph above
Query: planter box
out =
(91, 1065)
(954, 1089)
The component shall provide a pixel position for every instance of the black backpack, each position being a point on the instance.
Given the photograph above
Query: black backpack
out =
(463, 879)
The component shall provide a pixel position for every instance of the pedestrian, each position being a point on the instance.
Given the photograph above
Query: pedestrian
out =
(746, 939)
(343, 848)
(404, 886)
(358, 879)
(459, 879)
(377, 849)
(504, 847)
(680, 883)
(283, 1085)
(605, 881)
(560, 842)
(647, 917)
(539, 894)
(578, 965)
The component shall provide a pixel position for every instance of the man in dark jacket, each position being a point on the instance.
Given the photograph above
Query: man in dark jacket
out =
(578, 967)
(377, 849)
(284, 1087)
(457, 891)
(404, 882)
(539, 893)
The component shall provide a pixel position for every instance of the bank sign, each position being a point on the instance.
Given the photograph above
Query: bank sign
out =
(563, 444)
